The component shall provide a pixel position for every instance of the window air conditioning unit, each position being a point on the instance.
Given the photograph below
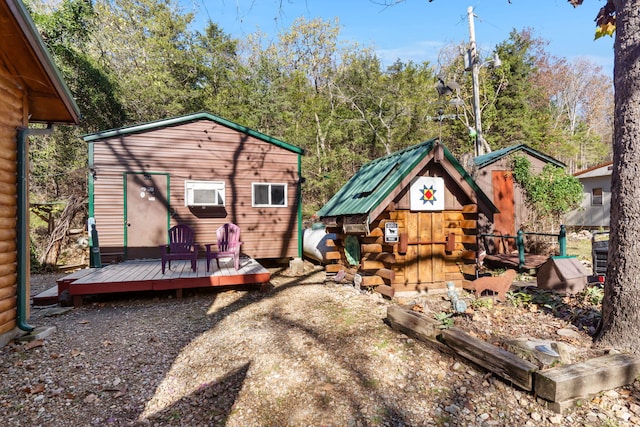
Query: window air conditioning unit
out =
(204, 193)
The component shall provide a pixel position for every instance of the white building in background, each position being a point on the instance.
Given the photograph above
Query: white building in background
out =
(595, 209)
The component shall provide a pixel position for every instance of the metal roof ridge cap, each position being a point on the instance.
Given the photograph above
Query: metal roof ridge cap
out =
(496, 155)
(401, 151)
(140, 127)
(406, 170)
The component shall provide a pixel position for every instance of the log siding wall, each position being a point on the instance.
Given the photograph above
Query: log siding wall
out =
(428, 267)
(201, 150)
(11, 117)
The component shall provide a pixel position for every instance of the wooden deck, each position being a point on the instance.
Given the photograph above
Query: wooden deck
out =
(531, 262)
(146, 275)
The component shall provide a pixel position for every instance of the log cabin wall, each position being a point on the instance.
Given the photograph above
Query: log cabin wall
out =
(434, 248)
(11, 117)
(197, 150)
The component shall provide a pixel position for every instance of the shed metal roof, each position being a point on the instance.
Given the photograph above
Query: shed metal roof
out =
(174, 121)
(375, 180)
(494, 156)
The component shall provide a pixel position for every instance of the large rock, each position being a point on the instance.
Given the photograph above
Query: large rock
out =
(543, 353)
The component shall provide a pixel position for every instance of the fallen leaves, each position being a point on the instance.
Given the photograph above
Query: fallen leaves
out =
(38, 388)
(75, 352)
(33, 344)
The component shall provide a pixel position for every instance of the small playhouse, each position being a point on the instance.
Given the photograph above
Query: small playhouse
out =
(200, 170)
(408, 222)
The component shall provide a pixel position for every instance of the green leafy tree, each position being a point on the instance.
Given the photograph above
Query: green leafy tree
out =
(66, 32)
(58, 163)
(580, 100)
(147, 47)
(217, 59)
(519, 113)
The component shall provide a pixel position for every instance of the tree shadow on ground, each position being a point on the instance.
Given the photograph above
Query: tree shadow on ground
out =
(215, 399)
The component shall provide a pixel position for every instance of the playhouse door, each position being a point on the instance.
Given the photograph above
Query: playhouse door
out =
(425, 252)
(146, 219)
(503, 197)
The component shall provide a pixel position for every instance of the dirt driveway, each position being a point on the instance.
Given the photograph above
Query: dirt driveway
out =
(306, 353)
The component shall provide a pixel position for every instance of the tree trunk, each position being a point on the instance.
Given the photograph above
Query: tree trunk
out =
(620, 327)
(49, 258)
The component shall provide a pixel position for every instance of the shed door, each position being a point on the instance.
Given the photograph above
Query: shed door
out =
(425, 251)
(503, 198)
(147, 216)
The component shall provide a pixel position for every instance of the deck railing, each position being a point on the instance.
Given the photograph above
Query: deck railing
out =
(519, 239)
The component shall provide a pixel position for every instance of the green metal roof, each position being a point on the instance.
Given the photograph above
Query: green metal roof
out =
(494, 156)
(378, 178)
(190, 118)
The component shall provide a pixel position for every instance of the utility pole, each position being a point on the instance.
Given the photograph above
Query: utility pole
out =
(472, 63)
(475, 68)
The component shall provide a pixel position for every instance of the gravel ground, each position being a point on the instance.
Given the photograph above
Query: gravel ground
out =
(308, 352)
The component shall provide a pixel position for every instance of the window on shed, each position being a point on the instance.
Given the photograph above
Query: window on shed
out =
(596, 197)
(266, 194)
(204, 193)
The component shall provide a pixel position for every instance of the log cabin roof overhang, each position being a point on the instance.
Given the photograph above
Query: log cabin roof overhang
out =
(374, 187)
(22, 49)
(174, 121)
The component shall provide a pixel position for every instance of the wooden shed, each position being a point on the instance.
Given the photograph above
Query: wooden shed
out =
(494, 175)
(31, 91)
(200, 170)
(407, 221)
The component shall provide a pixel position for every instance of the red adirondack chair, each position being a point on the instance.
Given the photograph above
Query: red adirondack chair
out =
(180, 247)
(228, 245)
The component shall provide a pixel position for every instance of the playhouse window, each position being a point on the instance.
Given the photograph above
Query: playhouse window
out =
(265, 194)
(596, 197)
(204, 193)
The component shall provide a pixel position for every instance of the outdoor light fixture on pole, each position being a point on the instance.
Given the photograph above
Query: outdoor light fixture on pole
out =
(472, 63)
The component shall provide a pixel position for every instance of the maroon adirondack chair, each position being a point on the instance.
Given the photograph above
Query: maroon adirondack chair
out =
(227, 246)
(180, 247)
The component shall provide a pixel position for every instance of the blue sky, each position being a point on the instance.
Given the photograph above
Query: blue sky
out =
(417, 29)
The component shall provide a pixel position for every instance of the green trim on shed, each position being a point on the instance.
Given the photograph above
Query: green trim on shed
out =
(186, 119)
(90, 180)
(299, 202)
